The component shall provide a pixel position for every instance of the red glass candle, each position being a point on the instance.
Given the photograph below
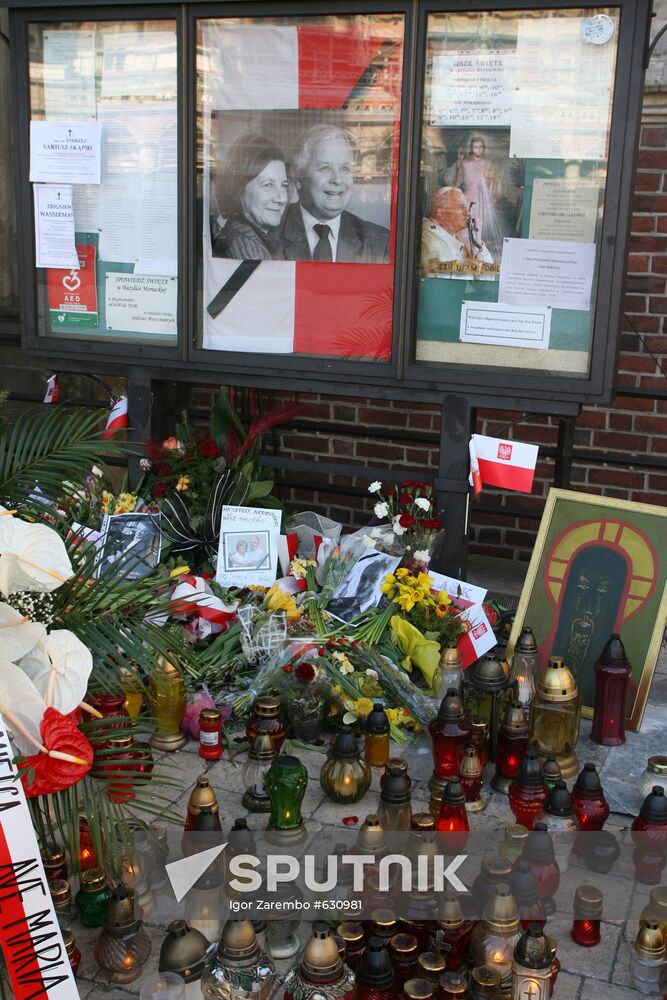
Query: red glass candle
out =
(109, 704)
(587, 915)
(266, 718)
(55, 863)
(452, 933)
(511, 747)
(210, 734)
(612, 675)
(471, 780)
(526, 894)
(539, 853)
(453, 818)
(404, 950)
(480, 739)
(73, 953)
(527, 791)
(649, 832)
(450, 732)
(591, 809)
(122, 763)
(87, 856)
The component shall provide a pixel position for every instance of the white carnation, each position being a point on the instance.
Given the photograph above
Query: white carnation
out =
(423, 503)
(398, 527)
(381, 509)
(422, 555)
(375, 487)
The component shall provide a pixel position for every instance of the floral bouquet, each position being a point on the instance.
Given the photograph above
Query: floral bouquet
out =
(406, 514)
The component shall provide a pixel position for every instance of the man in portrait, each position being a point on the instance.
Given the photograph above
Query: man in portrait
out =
(318, 226)
(447, 236)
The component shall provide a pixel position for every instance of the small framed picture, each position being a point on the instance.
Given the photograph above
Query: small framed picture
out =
(130, 545)
(248, 547)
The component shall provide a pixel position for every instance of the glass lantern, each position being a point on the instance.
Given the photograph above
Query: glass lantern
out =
(239, 968)
(555, 717)
(495, 937)
(286, 782)
(345, 776)
(525, 666)
(648, 965)
(451, 671)
(531, 965)
(612, 676)
(394, 809)
(511, 747)
(321, 970)
(451, 733)
(587, 916)
(166, 700)
(262, 751)
(487, 693)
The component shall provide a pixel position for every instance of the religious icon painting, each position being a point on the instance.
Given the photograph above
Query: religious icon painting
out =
(599, 567)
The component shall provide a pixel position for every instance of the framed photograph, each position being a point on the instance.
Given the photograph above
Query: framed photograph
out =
(248, 547)
(360, 589)
(130, 545)
(599, 566)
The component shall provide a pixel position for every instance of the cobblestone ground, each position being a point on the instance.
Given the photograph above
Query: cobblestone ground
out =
(601, 973)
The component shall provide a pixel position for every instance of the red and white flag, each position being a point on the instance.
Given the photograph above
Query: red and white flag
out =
(479, 638)
(509, 465)
(52, 390)
(117, 418)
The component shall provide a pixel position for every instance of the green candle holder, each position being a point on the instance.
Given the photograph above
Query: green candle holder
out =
(285, 783)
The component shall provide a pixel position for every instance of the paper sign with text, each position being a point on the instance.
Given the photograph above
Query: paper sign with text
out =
(72, 294)
(30, 936)
(458, 588)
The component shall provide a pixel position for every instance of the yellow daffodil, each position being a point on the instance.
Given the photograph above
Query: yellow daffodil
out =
(278, 600)
(402, 573)
(128, 501)
(107, 501)
(184, 483)
(179, 571)
(444, 600)
(345, 666)
(363, 707)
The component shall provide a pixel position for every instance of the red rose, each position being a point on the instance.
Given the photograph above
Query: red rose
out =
(431, 523)
(288, 668)
(304, 673)
(160, 489)
(207, 447)
(490, 613)
(406, 520)
(405, 498)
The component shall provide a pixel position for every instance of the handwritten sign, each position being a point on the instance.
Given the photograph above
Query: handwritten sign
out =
(248, 547)
(30, 936)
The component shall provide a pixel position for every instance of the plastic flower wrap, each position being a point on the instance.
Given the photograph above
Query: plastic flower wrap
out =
(419, 651)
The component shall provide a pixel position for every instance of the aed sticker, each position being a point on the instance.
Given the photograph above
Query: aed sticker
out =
(72, 294)
(597, 30)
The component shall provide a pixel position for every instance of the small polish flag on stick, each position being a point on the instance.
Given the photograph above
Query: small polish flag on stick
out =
(52, 390)
(117, 418)
(508, 465)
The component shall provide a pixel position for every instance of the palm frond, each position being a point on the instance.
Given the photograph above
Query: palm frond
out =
(45, 446)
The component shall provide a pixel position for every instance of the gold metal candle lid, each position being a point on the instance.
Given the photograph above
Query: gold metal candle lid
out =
(422, 821)
(470, 765)
(479, 726)
(320, 956)
(266, 707)
(501, 913)
(588, 902)
(383, 919)
(209, 715)
(650, 941)
(485, 976)
(450, 913)
(433, 963)
(453, 984)
(658, 900)
(515, 719)
(61, 891)
(202, 795)
(371, 839)
(657, 765)
(93, 880)
(451, 657)
(165, 667)
(125, 742)
(262, 748)
(183, 951)
(53, 855)
(396, 762)
(557, 684)
(69, 941)
(516, 834)
(404, 945)
(239, 941)
(418, 989)
(350, 932)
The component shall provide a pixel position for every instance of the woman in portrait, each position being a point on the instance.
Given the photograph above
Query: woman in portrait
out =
(240, 557)
(252, 193)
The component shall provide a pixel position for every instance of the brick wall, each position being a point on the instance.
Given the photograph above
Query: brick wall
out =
(405, 435)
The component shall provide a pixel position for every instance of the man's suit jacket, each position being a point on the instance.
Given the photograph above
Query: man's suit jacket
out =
(359, 242)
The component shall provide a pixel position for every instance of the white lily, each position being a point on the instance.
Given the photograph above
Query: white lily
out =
(33, 557)
(18, 635)
(59, 667)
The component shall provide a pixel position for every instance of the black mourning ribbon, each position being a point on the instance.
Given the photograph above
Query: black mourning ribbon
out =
(233, 284)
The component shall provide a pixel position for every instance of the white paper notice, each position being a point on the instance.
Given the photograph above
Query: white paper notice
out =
(141, 303)
(139, 63)
(86, 202)
(54, 226)
(458, 588)
(562, 101)
(69, 75)
(545, 271)
(65, 152)
(472, 88)
(504, 325)
(564, 210)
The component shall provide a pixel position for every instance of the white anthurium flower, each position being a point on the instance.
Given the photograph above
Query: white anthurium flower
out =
(59, 667)
(423, 503)
(375, 487)
(18, 635)
(32, 557)
(21, 706)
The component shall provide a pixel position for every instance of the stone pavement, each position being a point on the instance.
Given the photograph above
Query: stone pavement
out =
(587, 974)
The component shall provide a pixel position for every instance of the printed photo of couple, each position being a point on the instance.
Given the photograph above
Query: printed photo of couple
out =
(246, 551)
(299, 185)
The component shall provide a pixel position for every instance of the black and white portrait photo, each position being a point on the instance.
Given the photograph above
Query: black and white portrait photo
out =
(299, 185)
(130, 545)
(246, 550)
(361, 588)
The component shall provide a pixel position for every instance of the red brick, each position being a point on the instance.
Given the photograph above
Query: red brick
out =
(309, 442)
(649, 244)
(620, 422)
(650, 203)
(642, 324)
(637, 363)
(652, 136)
(656, 345)
(418, 456)
(614, 441)
(652, 158)
(661, 223)
(639, 404)
(388, 418)
(342, 447)
(380, 452)
(592, 418)
(645, 284)
(659, 264)
(319, 410)
(648, 180)
(339, 412)
(659, 445)
(656, 498)
(638, 263)
(656, 482)
(651, 425)
(658, 304)
(642, 224)
(635, 303)
(616, 477)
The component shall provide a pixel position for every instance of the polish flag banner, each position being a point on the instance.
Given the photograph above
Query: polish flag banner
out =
(117, 418)
(279, 82)
(479, 638)
(52, 390)
(508, 465)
